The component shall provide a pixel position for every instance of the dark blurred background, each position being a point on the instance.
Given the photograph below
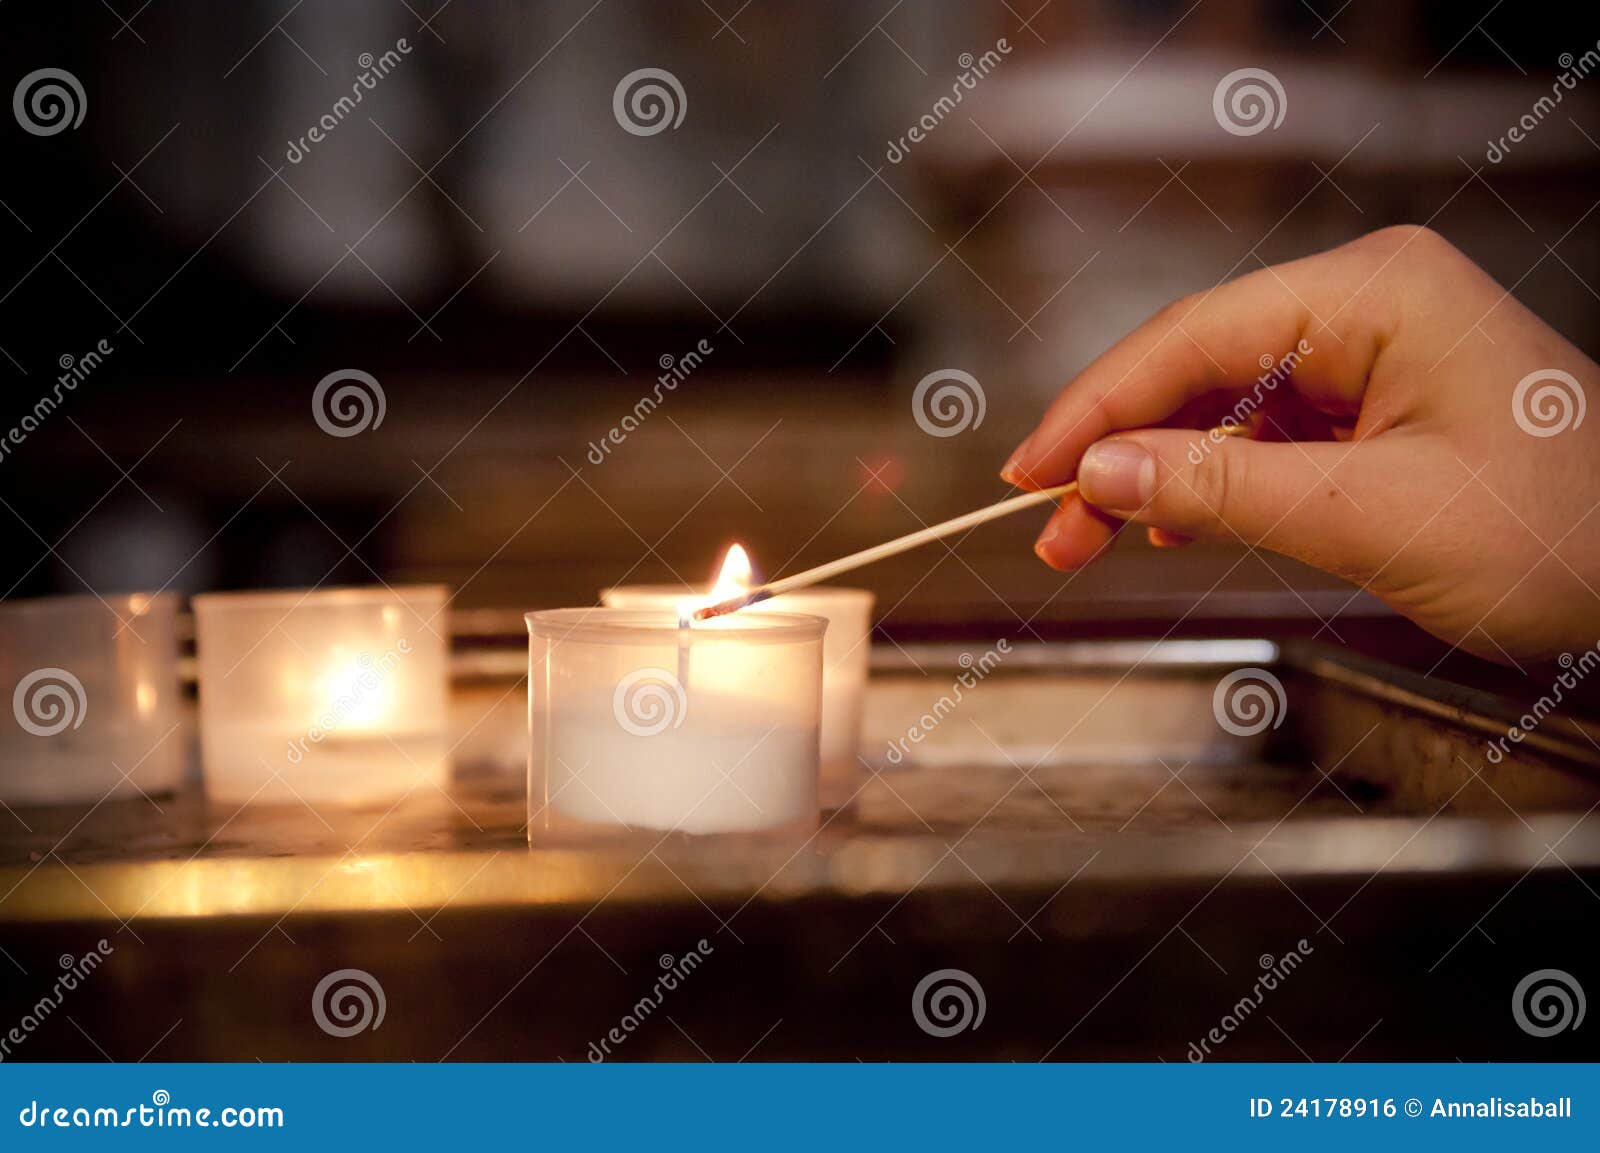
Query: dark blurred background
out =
(483, 236)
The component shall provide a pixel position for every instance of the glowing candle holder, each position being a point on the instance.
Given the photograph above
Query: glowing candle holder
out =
(637, 724)
(845, 651)
(322, 695)
(94, 698)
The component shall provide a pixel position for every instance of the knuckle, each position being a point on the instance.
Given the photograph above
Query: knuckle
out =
(1215, 484)
(1174, 313)
(1414, 240)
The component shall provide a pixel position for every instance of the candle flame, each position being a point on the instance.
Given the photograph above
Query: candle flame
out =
(733, 578)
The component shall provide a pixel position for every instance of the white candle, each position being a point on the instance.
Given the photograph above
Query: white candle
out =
(620, 741)
(327, 695)
(718, 773)
(846, 649)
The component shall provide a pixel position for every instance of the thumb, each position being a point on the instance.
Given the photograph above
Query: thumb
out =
(1299, 499)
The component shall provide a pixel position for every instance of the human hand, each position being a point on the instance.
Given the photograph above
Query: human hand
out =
(1418, 432)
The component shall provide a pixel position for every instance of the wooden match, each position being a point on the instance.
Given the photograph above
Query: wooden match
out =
(910, 541)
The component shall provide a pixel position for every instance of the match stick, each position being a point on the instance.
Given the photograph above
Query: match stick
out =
(887, 549)
(908, 542)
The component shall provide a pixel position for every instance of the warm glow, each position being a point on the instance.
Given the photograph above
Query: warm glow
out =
(352, 694)
(733, 578)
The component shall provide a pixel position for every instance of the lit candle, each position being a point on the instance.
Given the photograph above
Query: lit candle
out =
(621, 740)
(326, 695)
(846, 648)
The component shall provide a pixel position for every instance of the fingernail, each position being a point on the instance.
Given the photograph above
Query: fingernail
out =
(1117, 474)
(1009, 472)
(1045, 538)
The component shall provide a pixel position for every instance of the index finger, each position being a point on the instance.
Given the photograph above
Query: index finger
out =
(1311, 322)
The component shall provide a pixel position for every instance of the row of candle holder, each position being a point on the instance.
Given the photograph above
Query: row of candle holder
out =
(743, 723)
(308, 694)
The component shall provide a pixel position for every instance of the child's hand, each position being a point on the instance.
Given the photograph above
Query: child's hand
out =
(1422, 466)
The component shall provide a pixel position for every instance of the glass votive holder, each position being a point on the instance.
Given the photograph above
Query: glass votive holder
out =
(846, 650)
(94, 698)
(322, 695)
(638, 724)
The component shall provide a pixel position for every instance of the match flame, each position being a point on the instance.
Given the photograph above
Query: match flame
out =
(733, 578)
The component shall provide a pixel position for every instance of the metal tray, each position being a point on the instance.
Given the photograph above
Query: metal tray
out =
(1079, 835)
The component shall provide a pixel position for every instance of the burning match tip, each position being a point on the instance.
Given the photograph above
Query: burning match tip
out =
(733, 605)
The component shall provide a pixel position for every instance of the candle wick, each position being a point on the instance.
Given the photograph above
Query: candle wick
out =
(685, 623)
